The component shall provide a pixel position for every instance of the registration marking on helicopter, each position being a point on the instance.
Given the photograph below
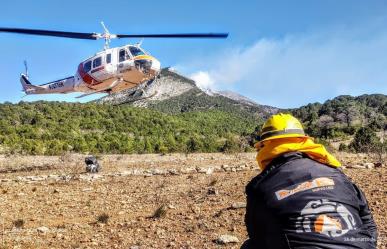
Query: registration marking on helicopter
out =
(56, 85)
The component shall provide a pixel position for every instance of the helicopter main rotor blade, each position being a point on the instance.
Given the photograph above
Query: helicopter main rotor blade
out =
(188, 35)
(76, 35)
(95, 36)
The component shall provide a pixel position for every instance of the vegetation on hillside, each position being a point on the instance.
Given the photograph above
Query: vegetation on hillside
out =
(196, 100)
(194, 122)
(52, 128)
(344, 115)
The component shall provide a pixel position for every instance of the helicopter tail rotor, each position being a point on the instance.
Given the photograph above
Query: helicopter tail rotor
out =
(26, 68)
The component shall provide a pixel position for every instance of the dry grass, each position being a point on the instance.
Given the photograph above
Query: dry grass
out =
(19, 223)
(160, 212)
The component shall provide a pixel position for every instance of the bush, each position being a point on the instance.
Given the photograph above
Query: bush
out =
(160, 212)
(343, 147)
(103, 218)
(366, 141)
(19, 223)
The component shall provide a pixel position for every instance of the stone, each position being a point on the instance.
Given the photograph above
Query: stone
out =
(173, 172)
(378, 165)
(43, 229)
(226, 239)
(368, 165)
(188, 170)
(209, 171)
(212, 191)
(237, 205)
(356, 166)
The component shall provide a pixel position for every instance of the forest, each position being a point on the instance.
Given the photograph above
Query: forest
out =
(54, 128)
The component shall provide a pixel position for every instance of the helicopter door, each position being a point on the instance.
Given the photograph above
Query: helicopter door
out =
(124, 60)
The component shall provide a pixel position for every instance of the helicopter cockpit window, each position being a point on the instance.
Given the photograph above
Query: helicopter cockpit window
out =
(97, 62)
(135, 51)
(108, 58)
(87, 66)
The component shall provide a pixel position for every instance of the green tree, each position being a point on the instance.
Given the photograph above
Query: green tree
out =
(365, 140)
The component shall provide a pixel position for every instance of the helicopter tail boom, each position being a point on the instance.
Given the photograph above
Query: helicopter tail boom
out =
(59, 86)
(28, 88)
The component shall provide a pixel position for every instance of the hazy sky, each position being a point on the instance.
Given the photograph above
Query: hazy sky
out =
(280, 53)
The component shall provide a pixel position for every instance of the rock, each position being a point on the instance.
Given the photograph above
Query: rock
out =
(173, 172)
(209, 171)
(188, 170)
(212, 191)
(368, 165)
(158, 172)
(237, 205)
(201, 170)
(226, 239)
(356, 166)
(43, 229)
(378, 165)
(90, 177)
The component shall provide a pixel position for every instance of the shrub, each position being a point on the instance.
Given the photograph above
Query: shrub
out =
(160, 212)
(19, 223)
(366, 141)
(343, 147)
(103, 218)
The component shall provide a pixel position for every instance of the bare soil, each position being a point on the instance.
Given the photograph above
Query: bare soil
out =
(142, 201)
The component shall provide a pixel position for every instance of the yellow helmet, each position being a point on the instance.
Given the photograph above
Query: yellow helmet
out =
(280, 126)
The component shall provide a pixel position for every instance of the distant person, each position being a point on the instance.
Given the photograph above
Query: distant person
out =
(301, 199)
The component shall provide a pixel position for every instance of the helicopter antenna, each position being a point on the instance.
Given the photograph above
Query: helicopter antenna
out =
(138, 44)
(26, 68)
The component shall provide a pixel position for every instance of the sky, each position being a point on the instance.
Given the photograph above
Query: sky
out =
(279, 53)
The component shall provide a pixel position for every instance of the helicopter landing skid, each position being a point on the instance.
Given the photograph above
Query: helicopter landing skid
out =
(137, 99)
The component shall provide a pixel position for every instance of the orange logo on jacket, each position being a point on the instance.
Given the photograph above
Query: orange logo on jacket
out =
(315, 183)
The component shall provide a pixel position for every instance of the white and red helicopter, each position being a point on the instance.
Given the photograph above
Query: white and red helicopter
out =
(108, 71)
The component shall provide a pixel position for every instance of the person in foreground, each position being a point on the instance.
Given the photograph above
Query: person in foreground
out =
(301, 199)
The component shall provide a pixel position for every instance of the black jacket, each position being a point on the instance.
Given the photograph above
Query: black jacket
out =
(297, 202)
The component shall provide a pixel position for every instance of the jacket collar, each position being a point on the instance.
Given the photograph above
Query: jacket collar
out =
(275, 164)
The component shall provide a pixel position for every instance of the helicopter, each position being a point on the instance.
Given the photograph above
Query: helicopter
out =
(108, 71)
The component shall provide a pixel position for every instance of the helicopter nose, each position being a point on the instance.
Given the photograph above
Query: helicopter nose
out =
(156, 65)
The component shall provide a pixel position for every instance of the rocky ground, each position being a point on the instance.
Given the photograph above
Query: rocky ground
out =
(143, 201)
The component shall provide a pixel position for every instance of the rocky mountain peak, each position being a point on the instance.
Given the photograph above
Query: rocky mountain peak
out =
(173, 93)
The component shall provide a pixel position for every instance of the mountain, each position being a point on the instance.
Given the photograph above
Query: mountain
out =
(174, 93)
(237, 97)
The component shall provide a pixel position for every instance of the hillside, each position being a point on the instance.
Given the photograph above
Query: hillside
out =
(53, 128)
(174, 93)
(343, 115)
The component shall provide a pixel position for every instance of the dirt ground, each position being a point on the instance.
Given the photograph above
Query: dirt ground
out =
(142, 201)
